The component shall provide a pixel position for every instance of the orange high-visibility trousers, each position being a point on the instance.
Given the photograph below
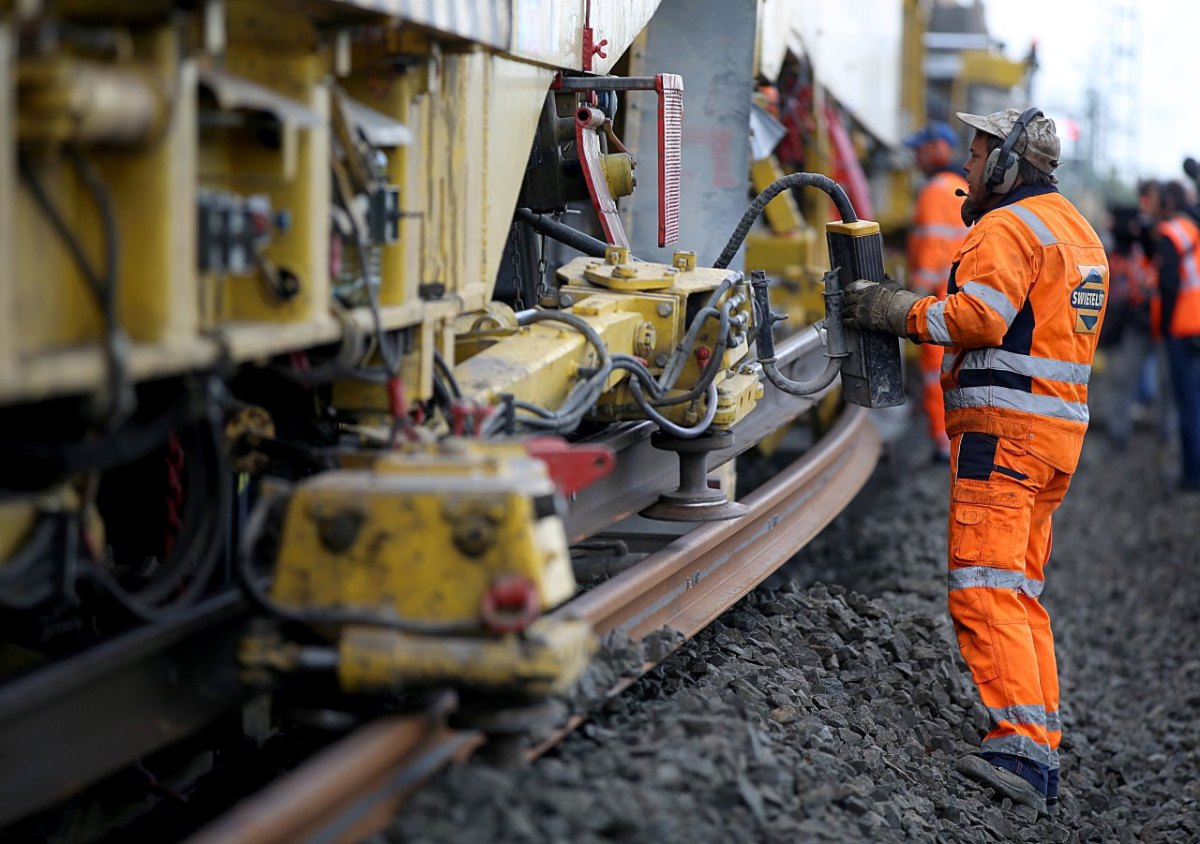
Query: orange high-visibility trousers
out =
(929, 361)
(1002, 502)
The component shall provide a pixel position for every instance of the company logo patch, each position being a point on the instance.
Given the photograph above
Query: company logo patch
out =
(1088, 299)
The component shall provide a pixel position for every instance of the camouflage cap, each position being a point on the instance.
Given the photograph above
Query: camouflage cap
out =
(1039, 146)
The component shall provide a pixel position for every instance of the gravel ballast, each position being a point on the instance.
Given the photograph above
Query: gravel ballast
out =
(831, 703)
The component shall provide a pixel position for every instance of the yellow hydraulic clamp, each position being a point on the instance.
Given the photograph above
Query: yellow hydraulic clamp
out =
(434, 565)
(688, 326)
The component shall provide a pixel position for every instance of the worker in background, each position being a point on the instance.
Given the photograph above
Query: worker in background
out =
(1178, 268)
(1152, 403)
(936, 234)
(1126, 337)
(1020, 324)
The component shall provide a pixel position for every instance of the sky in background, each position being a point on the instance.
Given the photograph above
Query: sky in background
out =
(1149, 104)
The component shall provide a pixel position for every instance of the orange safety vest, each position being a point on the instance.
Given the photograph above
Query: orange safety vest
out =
(936, 234)
(1184, 236)
(1026, 302)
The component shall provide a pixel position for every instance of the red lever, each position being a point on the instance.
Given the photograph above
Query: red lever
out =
(572, 467)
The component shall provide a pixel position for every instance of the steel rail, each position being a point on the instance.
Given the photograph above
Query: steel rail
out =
(351, 789)
(643, 472)
(702, 573)
(348, 791)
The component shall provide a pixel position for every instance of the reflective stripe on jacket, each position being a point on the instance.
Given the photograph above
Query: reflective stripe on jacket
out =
(936, 234)
(1184, 317)
(1026, 301)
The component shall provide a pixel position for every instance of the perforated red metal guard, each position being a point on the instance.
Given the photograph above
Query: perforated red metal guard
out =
(670, 154)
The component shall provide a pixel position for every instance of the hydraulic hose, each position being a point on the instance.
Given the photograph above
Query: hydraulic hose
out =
(564, 234)
(584, 394)
(709, 373)
(680, 353)
(196, 565)
(795, 180)
(36, 465)
(23, 581)
(666, 424)
(837, 347)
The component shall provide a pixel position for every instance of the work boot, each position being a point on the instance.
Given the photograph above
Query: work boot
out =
(1052, 792)
(1004, 783)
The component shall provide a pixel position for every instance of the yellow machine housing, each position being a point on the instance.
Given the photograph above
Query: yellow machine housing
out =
(637, 308)
(544, 659)
(662, 301)
(420, 538)
(393, 539)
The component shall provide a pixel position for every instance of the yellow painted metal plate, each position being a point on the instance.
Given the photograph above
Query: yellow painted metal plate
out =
(631, 277)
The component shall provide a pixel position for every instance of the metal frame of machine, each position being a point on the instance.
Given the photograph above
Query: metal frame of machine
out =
(269, 426)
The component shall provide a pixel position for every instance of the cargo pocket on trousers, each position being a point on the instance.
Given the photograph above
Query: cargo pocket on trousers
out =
(988, 526)
(968, 537)
(974, 635)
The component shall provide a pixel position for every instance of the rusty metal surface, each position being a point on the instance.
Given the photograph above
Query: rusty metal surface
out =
(348, 791)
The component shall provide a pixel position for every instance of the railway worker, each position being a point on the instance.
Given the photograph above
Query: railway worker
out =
(1020, 323)
(1126, 337)
(937, 232)
(1178, 315)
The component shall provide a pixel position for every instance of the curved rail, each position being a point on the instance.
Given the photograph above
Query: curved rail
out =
(704, 572)
(351, 789)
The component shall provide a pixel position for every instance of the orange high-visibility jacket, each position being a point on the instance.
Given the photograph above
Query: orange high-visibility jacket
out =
(1184, 320)
(1026, 301)
(936, 234)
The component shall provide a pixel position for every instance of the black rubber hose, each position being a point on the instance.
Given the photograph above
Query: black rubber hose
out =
(195, 565)
(74, 246)
(564, 234)
(711, 367)
(46, 463)
(24, 582)
(836, 350)
(666, 424)
(583, 395)
(448, 374)
(795, 180)
(202, 540)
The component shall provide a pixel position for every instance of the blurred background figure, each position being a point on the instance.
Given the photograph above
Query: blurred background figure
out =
(1126, 339)
(1177, 315)
(936, 234)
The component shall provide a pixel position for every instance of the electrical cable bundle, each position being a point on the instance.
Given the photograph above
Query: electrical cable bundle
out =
(27, 582)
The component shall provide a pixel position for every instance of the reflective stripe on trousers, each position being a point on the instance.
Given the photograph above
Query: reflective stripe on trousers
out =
(1002, 503)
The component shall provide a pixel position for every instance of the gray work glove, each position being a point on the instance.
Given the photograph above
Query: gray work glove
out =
(878, 307)
(891, 283)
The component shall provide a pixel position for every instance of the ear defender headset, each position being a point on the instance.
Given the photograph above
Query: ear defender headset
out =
(1000, 169)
